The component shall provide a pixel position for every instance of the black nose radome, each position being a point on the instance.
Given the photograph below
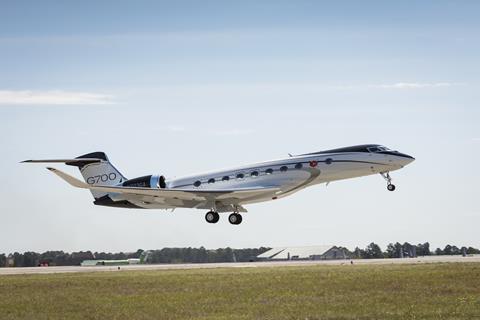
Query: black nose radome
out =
(398, 154)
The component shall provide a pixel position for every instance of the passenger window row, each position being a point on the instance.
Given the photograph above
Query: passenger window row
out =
(253, 174)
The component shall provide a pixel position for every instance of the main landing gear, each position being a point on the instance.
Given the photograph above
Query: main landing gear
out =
(386, 176)
(213, 217)
(235, 218)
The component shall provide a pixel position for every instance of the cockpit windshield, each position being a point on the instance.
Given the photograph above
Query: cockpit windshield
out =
(378, 149)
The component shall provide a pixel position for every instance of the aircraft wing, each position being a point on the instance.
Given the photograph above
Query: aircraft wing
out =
(225, 197)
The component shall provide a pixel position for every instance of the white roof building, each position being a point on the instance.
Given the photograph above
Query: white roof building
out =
(325, 252)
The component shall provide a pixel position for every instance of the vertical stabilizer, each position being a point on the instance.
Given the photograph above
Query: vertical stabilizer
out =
(101, 173)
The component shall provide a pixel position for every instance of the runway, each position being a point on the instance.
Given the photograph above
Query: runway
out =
(263, 264)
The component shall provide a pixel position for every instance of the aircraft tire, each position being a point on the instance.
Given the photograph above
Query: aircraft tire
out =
(391, 187)
(212, 217)
(239, 218)
(235, 218)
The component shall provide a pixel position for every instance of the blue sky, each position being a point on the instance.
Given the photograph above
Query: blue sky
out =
(193, 86)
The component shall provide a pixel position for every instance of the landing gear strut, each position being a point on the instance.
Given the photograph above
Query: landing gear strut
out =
(212, 217)
(235, 218)
(386, 176)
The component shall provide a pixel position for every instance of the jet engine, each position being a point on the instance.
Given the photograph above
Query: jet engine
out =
(151, 181)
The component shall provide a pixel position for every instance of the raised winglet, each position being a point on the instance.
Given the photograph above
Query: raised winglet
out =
(68, 178)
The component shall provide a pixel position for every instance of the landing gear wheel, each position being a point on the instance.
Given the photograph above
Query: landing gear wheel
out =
(386, 176)
(235, 218)
(212, 217)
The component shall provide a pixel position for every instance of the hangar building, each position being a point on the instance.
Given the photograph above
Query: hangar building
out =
(305, 253)
(90, 263)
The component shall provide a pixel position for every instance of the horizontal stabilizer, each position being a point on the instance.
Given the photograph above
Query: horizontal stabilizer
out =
(68, 161)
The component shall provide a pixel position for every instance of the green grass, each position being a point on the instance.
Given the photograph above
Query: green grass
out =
(433, 291)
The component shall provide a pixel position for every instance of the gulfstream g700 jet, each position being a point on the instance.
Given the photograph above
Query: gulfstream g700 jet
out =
(229, 190)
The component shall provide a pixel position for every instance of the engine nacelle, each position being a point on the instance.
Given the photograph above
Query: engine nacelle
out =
(152, 181)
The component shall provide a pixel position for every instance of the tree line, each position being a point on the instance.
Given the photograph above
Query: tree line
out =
(398, 250)
(165, 255)
(202, 255)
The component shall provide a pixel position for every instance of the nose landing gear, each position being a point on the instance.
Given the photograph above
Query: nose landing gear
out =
(386, 176)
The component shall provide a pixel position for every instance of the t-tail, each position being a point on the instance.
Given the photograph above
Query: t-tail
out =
(96, 169)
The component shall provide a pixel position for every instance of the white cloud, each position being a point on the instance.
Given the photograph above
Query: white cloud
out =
(53, 97)
(262, 88)
(414, 85)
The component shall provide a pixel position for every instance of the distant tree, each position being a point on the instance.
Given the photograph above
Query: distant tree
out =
(426, 249)
(76, 258)
(3, 260)
(409, 250)
(447, 250)
(135, 255)
(390, 252)
(30, 259)
(456, 250)
(358, 253)
(213, 256)
(102, 255)
(118, 256)
(423, 249)
(202, 255)
(373, 251)
(18, 260)
(451, 250)
(55, 258)
(228, 254)
(394, 250)
(471, 250)
(439, 252)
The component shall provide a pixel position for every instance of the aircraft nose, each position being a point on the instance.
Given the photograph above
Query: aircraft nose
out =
(405, 158)
(399, 159)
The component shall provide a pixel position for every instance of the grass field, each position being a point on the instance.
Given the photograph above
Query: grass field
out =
(424, 291)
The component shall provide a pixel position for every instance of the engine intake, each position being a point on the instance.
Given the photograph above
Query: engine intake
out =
(151, 181)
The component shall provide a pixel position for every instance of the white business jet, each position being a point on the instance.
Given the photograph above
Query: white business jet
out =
(229, 190)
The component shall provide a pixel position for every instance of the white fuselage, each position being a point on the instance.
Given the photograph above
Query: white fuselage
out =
(294, 173)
